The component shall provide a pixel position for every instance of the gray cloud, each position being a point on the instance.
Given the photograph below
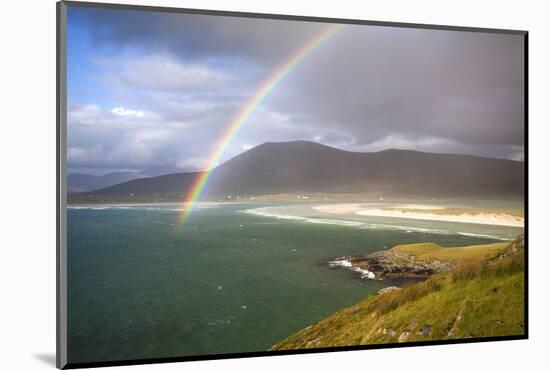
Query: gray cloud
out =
(191, 37)
(367, 88)
(466, 87)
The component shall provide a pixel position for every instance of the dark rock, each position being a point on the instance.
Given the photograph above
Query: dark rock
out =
(404, 336)
(313, 342)
(388, 289)
(391, 264)
(426, 330)
(516, 244)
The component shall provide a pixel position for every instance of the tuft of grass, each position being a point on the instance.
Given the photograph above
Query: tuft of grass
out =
(391, 300)
(500, 265)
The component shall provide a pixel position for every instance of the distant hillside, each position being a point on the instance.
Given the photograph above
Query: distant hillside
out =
(303, 166)
(306, 167)
(476, 299)
(78, 182)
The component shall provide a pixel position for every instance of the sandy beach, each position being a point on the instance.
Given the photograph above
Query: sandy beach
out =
(366, 209)
(344, 208)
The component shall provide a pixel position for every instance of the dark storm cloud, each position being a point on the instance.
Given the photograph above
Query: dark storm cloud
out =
(467, 87)
(365, 89)
(191, 36)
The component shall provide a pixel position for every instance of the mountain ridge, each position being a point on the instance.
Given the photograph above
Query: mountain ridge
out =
(80, 182)
(309, 167)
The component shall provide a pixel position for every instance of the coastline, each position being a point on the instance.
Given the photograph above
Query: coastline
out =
(480, 218)
(483, 219)
(148, 204)
(455, 300)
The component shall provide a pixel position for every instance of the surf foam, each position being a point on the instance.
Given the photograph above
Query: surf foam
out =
(268, 212)
(342, 262)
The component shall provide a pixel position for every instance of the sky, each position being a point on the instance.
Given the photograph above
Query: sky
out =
(154, 92)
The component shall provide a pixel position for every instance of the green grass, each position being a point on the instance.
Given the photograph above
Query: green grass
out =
(481, 298)
(432, 251)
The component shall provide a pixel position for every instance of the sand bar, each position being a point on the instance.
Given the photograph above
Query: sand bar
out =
(362, 209)
(344, 208)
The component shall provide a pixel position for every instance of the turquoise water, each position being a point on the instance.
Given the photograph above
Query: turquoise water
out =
(228, 281)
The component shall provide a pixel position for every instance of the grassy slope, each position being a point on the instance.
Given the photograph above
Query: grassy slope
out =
(478, 299)
(432, 251)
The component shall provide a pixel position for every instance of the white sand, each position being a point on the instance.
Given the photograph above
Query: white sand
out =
(482, 218)
(341, 209)
(422, 207)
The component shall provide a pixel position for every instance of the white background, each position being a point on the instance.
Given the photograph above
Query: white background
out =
(27, 171)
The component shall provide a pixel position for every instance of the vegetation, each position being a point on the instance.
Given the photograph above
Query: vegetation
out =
(432, 251)
(481, 297)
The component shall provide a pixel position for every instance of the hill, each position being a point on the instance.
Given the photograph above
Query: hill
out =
(78, 182)
(307, 167)
(304, 166)
(433, 251)
(480, 297)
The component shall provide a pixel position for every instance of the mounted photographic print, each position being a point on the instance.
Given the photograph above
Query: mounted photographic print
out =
(236, 184)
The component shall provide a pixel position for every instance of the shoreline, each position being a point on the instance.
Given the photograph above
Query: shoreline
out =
(147, 204)
(481, 218)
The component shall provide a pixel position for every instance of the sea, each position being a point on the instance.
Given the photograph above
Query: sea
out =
(233, 279)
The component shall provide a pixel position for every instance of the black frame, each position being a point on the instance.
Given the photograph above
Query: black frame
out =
(61, 151)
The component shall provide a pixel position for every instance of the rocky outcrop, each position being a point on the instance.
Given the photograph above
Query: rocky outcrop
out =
(388, 289)
(517, 244)
(392, 265)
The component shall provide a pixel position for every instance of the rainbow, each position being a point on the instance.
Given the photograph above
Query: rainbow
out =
(246, 111)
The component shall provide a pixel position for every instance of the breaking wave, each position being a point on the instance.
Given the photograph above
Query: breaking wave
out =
(142, 208)
(342, 262)
(266, 212)
(136, 208)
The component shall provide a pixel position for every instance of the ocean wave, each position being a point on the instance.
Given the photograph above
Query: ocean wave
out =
(95, 208)
(262, 212)
(167, 208)
(342, 262)
(266, 212)
(483, 236)
(134, 208)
